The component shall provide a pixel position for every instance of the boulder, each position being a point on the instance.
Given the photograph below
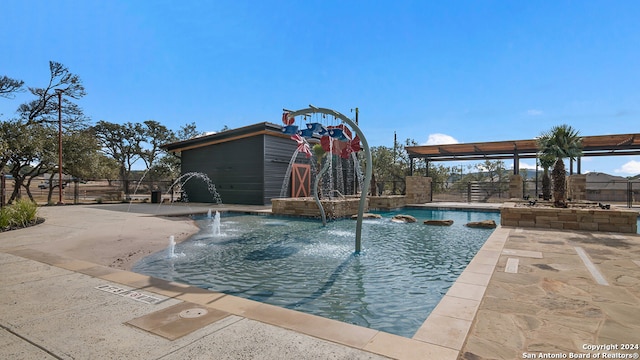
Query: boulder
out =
(439, 222)
(486, 224)
(403, 218)
(367, 216)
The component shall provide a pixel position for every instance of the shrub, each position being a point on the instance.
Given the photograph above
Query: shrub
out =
(24, 212)
(20, 214)
(5, 217)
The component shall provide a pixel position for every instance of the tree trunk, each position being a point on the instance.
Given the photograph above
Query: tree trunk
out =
(18, 184)
(16, 194)
(28, 190)
(546, 185)
(76, 191)
(559, 184)
(374, 187)
(50, 189)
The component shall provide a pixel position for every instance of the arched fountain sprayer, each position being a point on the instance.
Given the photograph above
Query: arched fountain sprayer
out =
(368, 170)
(315, 192)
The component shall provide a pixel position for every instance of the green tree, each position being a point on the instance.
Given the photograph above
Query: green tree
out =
(30, 156)
(496, 174)
(8, 130)
(386, 169)
(29, 142)
(80, 158)
(439, 177)
(392, 164)
(8, 86)
(123, 143)
(156, 135)
(105, 168)
(44, 108)
(560, 142)
(168, 166)
(187, 131)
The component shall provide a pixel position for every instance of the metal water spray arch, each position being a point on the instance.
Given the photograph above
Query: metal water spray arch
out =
(368, 170)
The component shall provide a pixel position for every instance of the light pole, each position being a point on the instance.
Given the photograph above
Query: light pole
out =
(59, 92)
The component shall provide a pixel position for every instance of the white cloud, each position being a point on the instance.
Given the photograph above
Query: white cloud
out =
(524, 165)
(632, 167)
(534, 112)
(441, 139)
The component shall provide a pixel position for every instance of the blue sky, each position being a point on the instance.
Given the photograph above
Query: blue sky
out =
(467, 71)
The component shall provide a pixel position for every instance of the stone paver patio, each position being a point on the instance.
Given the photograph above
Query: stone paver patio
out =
(553, 304)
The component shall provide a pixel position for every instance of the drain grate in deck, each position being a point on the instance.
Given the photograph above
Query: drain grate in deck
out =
(131, 294)
(178, 320)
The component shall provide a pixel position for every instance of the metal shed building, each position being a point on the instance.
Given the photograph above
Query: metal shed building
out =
(247, 165)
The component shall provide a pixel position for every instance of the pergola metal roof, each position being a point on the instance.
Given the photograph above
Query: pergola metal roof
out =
(601, 145)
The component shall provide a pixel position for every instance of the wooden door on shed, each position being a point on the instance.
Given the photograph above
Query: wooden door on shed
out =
(300, 180)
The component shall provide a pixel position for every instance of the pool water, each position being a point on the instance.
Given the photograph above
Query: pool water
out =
(392, 285)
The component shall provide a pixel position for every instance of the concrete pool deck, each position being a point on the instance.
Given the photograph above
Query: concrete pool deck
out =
(527, 291)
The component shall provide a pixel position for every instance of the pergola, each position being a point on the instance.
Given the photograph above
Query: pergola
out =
(601, 145)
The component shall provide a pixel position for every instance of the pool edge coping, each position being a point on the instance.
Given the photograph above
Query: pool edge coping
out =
(460, 306)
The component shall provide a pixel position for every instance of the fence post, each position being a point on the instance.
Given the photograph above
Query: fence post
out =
(431, 192)
(469, 191)
(629, 194)
(76, 191)
(2, 189)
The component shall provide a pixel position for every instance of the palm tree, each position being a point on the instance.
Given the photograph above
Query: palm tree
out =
(546, 161)
(559, 143)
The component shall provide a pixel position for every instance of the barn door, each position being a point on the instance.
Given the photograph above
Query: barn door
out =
(300, 180)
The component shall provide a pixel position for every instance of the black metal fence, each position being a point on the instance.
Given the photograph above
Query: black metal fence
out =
(3, 189)
(625, 192)
(615, 191)
(470, 191)
(99, 191)
(622, 192)
(389, 187)
(128, 190)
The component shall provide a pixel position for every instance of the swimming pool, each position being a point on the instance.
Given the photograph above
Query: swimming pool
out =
(392, 285)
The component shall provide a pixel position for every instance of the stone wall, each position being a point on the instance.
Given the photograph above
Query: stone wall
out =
(387, 202)
(307, 207)
(614, 220)
(418, 189)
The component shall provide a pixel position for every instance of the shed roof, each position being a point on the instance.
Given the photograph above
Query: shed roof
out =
(601, 145)
(263, 128)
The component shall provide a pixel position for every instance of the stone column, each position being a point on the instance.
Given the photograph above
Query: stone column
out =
(577, 187)
(418, 189)
(515, 186)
